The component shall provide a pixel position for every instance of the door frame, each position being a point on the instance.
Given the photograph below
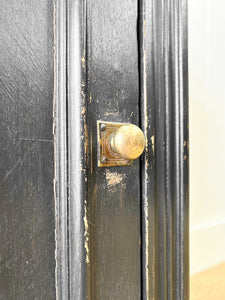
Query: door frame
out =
(163, 65)
(165, 169)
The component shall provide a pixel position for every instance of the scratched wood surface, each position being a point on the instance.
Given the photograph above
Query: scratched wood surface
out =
(113, 192)
(113, 202)
(27, 247)
(116, 53)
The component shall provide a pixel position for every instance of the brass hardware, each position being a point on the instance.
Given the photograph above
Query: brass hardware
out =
(119, 143)
(128, 142)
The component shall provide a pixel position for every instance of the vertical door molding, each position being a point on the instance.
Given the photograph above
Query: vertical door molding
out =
(70, 148)
(164, 116)
(77, 146)
(60, 135)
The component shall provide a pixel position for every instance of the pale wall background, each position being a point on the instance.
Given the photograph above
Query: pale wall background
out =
(207, 132)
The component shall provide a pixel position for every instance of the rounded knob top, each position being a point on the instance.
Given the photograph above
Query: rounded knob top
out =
(128, 141)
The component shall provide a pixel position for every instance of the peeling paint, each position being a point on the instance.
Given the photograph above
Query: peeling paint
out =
(83, 60)
(112, 113)
(81, 168)
(83, 111)
(86, 139)
(90, 97)
(153, 143)
(83, 94)
(113, 178)
(86, 234)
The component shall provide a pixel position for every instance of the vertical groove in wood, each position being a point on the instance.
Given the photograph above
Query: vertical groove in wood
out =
(71, 143)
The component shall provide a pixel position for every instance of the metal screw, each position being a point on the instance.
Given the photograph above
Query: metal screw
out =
(103, 127)
(104, 160)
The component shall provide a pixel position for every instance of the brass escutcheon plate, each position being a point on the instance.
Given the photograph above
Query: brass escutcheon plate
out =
(106, 156)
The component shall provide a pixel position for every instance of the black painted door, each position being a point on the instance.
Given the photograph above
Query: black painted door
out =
(27, 209)
(70, 229)
(113, 200)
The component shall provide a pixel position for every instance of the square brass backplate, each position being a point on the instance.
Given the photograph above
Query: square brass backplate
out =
(106, 156)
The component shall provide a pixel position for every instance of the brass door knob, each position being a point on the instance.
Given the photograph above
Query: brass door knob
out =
(128, 141)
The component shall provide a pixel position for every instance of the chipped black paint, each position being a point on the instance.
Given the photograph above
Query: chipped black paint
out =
(127, 62)
(27, 219)
(120, 61)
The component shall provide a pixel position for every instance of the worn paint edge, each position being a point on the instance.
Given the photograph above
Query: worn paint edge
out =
(55, 170)
(144, 167)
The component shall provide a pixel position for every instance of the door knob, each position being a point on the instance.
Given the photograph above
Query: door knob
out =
(118, 143)
(128, 141)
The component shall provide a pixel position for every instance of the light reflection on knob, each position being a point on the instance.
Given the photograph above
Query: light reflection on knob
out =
(128, 142)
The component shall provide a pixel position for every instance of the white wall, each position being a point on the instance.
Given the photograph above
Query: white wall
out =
(207, 132)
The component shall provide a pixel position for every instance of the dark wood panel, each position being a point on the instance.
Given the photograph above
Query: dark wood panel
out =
(113, 203)
(104, 203)
(27, 261)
